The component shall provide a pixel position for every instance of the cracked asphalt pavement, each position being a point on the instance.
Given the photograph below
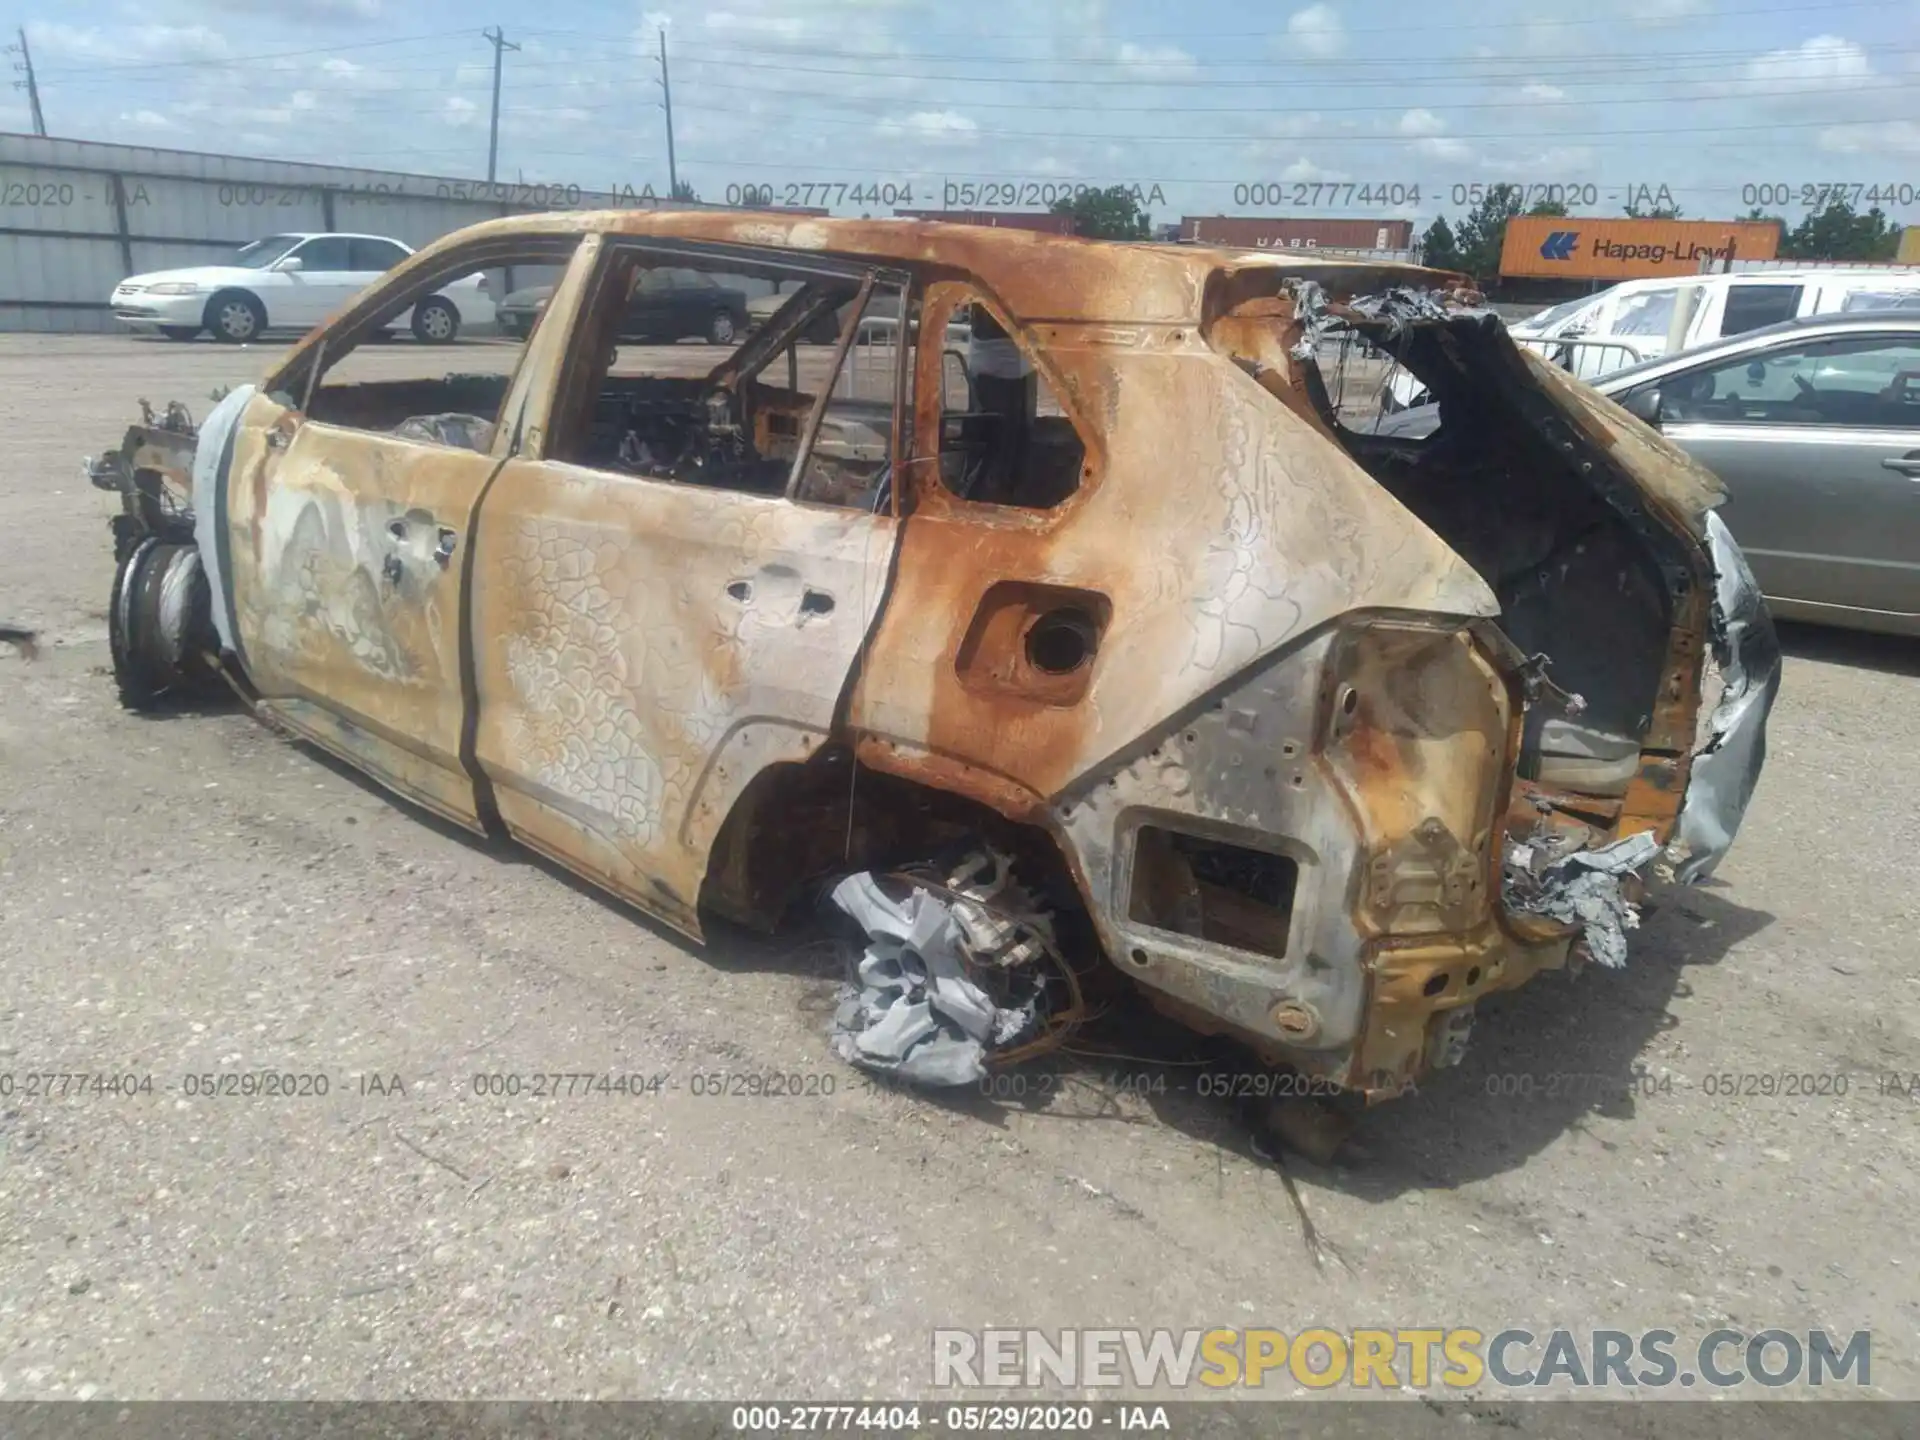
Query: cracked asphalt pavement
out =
(194, 897)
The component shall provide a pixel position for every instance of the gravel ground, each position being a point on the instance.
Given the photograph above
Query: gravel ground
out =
(195, 895)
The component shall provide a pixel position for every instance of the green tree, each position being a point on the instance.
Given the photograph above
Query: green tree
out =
(1549, 207)
(1836, 232)
(1438, 247)
(1114, 213)
(683, 190)
(1652, 212)
(1481, 234)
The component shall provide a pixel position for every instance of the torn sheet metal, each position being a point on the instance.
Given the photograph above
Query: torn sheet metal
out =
(1584, 889)
(1727, 767)
(913, 1008)
(1395, 310)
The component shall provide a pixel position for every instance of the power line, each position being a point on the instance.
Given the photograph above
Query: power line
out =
(894, 103)
(1128, 139)
(1269, 32)
(883, 65)
(93, 69)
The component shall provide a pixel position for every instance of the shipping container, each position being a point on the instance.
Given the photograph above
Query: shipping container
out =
(1270, 232)
(1592, 247)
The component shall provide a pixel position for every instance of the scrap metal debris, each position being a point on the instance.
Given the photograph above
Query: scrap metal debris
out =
(1583, 888)
(951, 974)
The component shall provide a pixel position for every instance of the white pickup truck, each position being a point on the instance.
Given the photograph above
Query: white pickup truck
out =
(1633, 321)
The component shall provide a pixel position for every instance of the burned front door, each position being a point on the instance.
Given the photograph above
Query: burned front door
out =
(349, 525)
(348, 590)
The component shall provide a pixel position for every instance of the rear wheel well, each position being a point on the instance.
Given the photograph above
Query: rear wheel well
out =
(798, 827)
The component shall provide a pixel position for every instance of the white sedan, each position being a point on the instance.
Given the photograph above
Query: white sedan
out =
(289, 282)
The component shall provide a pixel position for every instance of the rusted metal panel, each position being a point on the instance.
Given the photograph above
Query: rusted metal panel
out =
(1281, 232)
(1261, 532)
(347, 583)
(644, 651)
(1044, 222)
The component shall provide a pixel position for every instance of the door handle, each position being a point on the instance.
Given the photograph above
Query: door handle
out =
(1908, 464)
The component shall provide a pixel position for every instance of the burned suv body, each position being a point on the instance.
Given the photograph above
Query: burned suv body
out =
(1321, 736)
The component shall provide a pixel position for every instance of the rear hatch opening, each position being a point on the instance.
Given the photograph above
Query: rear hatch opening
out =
(1603, 582)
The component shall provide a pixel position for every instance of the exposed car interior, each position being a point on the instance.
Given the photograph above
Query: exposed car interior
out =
(677, 414)
(1513, 498)
(1003, 438)
(738, 424)
(357, 385)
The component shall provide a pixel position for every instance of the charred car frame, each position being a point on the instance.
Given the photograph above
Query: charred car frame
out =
(1319, 737)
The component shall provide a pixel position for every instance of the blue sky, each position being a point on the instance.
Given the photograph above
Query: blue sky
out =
(1194, 97)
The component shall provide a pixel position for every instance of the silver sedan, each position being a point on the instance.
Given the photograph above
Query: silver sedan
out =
(1814, 427)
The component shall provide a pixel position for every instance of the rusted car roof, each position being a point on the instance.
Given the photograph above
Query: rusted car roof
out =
(1039, 277)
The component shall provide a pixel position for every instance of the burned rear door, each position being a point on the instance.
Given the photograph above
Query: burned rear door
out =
(348, 524)
(671, 601)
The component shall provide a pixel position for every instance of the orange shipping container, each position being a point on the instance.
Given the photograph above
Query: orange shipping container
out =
(1590, 247)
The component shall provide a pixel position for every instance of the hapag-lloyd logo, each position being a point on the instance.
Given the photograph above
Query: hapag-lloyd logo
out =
(1560, 245)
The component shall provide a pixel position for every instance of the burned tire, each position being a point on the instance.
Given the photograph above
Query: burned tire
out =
(234, 316)
(159, 623)
(435, 321)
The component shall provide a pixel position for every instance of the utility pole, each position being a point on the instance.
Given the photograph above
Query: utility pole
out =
(498, 39)
(29, 84)
(666, 87)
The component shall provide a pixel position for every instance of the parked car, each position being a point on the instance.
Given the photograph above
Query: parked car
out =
(1628, 323)
(289, 282)
(1814, 427)
(668, 304)
(1124, 650)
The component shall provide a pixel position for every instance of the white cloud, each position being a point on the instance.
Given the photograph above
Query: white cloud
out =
(1305, 169)
(148, 120)
(1156, 61)
(938, 127)
(1443, 147)
(1540, 90)
(1652, 13)
(122, 46)
(1826, 62)
(304, 10)
(1885, 137)
(782, 27)
(458, 111)
(1425, 129)
(1317, 31)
